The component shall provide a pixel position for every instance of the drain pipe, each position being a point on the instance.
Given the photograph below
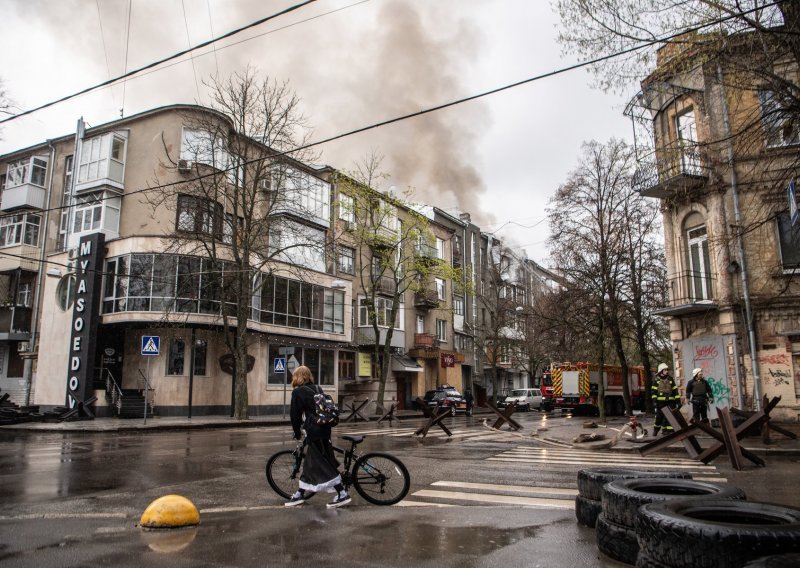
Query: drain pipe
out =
(27, 369)
(740, 245)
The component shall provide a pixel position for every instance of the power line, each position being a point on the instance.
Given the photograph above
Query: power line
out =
(127, 44)
(105, 49)
(159, 62)
(423, 112)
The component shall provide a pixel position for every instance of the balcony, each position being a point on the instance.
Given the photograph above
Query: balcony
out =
(689, 293)
(427, 253)
(25, 181)
(426, 299)
(673, 172)
(15, 322)
(385, 286)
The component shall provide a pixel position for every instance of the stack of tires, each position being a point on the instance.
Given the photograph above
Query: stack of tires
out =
(706, 533)
(617, 524)
(588, 503)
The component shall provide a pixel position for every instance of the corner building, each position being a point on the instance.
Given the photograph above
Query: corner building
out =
(102, 179)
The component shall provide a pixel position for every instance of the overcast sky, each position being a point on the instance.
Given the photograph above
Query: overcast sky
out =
(353, 63)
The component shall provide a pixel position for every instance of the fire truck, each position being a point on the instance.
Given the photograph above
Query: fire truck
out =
(576, 386)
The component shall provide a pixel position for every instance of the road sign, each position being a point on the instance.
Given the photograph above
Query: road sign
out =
(292, 363)
(151, 345)
(280, 364)
(793, 211)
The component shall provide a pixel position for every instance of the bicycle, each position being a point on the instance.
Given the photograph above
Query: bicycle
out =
(379, 478)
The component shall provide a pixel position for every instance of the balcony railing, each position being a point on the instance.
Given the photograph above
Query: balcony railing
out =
(385, 286)
(674, 170)
(15, 319)
(424, 341)
(426, 299)
(690, 292)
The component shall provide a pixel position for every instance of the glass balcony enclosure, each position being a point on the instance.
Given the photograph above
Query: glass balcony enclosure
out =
(25, 184)
(101, 163)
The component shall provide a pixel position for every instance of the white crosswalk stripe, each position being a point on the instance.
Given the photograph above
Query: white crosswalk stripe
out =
(564, 464)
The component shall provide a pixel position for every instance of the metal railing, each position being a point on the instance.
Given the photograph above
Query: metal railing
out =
(691, 287)
(671, 169)
(113, 391)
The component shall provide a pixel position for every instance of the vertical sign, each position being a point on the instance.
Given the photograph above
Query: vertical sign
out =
(793, 211)
(85, 314)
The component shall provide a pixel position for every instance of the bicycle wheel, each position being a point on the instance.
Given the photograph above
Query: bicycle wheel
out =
(283, 473)
(381, 479)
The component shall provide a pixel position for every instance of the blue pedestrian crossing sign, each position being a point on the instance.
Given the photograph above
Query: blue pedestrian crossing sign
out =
(151, 345)
(280, 364)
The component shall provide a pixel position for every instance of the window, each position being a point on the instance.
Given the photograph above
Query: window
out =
(102, 157)
(347, 366)
(440, 289)
(461, 343)
(19, 229)
(24, 294)
(383, 312)
(177, 348)
(441, 330)
(420, 324)
(30, 170)
(347, 211)
(88, 214)
(199, 215)
(686, 128)
(346, 260)
(781, 127)
(699, 264)
(298, 244)
(302, 193)
(439, 248)
(203, 147)
(458, 305)
(789, 240)
(200, 356)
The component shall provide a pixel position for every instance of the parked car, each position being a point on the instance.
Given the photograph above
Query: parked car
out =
(526, 399)
(448, 397)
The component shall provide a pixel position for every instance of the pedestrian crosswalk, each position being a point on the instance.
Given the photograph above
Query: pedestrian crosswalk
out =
(473, 434)
(555, 479)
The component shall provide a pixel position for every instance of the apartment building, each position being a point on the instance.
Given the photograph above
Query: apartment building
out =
(155, 275)
(725, 152)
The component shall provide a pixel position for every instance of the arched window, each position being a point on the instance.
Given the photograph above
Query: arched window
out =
(700, 275)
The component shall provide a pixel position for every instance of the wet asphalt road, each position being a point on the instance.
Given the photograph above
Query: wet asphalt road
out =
(74, 500)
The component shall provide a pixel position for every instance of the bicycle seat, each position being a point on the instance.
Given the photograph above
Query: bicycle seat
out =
(354, 439)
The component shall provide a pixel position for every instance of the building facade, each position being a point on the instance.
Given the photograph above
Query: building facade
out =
(724, 154)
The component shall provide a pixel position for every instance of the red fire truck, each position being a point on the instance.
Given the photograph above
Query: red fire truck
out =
(576, 386)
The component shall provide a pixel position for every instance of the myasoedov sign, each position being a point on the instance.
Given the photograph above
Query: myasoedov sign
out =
(85, 314)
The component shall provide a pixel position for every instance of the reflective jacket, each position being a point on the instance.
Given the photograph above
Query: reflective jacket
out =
(665, 393)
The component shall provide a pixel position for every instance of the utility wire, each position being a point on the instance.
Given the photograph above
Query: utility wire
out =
(453, 103)
(127, 44)
(191, 55)
(105, 49)
(159, 62)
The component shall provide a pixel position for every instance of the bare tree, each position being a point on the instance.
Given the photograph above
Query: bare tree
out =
(396, 255)
(240, 211)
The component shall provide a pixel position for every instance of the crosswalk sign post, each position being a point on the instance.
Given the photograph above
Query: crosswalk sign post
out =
(151, 346)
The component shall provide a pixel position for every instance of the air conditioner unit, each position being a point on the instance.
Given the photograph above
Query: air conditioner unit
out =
(265, 184)
(185, 166)
(22, 346)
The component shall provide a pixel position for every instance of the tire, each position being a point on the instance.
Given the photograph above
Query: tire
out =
(710, 533)
(586, 511)
(591, 480)
(283, 473)
(381, 479)
(776, 561)
(616, 541)
(623, 497)
(644, 561)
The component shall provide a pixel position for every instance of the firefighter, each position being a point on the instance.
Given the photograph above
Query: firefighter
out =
(664, 392)
(698, 391)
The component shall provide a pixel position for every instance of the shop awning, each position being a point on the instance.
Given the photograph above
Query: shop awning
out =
(405, 364)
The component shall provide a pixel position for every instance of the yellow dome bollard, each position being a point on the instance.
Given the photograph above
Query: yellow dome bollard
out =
(170, 511)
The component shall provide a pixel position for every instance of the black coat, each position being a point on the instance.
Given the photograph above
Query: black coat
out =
(302, 412)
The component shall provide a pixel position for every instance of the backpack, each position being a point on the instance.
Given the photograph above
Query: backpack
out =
(326, 413)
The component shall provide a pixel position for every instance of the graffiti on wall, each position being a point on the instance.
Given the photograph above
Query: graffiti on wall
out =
(720, 392)
(774, 359)
(778, 377)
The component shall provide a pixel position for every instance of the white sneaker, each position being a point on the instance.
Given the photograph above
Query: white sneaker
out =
(298, 499)
(340, 500)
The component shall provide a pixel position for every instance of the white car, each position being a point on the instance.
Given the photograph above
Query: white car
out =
(526, 399)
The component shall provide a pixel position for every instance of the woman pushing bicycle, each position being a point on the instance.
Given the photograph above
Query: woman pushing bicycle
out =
(320, 466)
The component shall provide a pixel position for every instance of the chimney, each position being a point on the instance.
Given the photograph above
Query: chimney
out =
(465, 217)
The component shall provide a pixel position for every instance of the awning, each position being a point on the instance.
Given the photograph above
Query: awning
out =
(405, 364)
